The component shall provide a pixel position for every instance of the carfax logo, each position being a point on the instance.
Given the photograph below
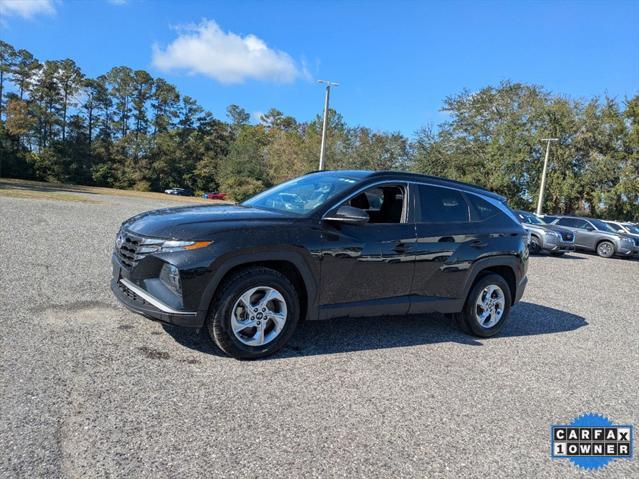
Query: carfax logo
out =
(591, 441)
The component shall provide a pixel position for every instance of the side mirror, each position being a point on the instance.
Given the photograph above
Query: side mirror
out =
(349, 214)
(590, 228)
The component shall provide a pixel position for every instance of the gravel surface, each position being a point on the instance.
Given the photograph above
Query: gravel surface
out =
(88, 389)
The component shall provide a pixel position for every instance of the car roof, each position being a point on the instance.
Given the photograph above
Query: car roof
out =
(409, 176)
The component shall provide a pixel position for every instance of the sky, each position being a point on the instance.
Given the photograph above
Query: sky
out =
(395, 61)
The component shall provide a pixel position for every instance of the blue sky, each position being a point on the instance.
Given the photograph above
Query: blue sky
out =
(395, 61)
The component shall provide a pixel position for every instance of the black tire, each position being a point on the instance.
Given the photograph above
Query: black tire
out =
(605, 249)
(535, 245)
(467, 320)
(218, 321)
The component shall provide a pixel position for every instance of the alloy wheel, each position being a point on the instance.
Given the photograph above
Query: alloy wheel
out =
(489, 306)
(258, 316)
(605, 249)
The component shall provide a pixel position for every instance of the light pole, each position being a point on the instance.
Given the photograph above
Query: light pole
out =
(543, 174)
(328, 84)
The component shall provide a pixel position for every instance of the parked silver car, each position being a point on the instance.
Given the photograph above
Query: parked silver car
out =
(628, 229)
(544, 237)
(595, 235)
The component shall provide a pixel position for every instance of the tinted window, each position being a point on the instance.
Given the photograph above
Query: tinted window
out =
(384, 204)
(442, 205)
(572, 222)
(601, 226)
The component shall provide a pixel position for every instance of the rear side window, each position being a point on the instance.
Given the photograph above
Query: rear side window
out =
(483, 209)
(442, 205)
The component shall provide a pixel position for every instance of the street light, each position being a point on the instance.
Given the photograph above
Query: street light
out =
(543, 174)
(328, 84)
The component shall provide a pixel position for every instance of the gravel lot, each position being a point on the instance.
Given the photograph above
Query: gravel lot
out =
(88, 389)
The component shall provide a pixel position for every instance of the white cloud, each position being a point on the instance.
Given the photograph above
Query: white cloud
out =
(225, 56)
(26, 8)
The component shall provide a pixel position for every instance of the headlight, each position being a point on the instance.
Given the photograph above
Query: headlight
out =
(151, 245)
(552, 236)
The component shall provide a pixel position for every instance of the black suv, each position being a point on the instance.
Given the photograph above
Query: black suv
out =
(324, 245)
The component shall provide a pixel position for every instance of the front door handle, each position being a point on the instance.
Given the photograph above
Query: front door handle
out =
(478, 244)
(400, 248)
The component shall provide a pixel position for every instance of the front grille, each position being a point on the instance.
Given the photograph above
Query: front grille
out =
(567, 236)
(128, 248)
(636, 241)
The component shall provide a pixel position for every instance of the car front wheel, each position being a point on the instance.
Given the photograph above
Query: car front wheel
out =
(605, 249)
(535, 245)
(487, 307)
(254, 314)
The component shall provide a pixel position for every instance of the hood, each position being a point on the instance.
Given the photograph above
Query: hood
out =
(198, 222)
(558, 229)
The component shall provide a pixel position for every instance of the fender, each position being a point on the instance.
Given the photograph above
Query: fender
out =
(512, 262)
(221, 266)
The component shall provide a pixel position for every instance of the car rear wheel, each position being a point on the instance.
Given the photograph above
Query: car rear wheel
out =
(605, 249)
(254, 314)
(487, 307)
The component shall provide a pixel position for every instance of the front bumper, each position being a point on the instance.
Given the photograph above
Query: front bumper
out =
(627, 251)
(140, 301)
(555, 246)
(560, 247)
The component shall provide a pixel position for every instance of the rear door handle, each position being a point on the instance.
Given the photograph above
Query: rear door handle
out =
(478, 244)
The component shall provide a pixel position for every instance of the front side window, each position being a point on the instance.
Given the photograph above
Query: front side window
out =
(301, 195)
(384, 204)
(601, 226)
(442, 205)
(572, 223)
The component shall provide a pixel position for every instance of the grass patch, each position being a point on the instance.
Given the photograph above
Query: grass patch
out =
(12, 184)
(45, 195)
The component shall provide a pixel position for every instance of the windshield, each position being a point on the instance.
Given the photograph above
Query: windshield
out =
(633, 229)
(301, 195)
(601, 226)
(529, 218)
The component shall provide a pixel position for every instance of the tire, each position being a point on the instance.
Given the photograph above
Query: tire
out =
(228, 310)
(468, 319)
(535, 245)
(605, 249)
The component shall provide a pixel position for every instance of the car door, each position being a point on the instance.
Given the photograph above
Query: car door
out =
(445, 236)
(367, 269)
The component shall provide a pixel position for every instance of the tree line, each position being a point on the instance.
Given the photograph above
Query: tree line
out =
(127, 129)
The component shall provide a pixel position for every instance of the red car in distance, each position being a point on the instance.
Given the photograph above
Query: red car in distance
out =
(214, 196)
